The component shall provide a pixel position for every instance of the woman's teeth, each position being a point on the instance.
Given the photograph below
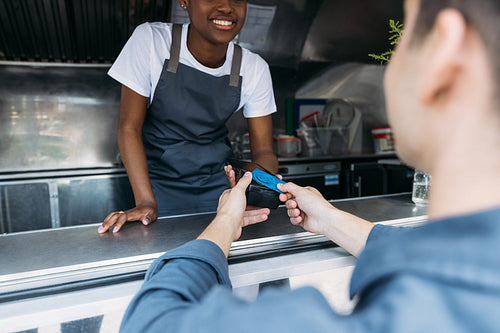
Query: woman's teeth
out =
(221, 22)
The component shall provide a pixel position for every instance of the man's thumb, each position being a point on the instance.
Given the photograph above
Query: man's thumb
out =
(245, 181)
(288, 188)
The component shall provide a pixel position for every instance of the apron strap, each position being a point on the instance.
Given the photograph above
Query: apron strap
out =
(234, 79)
(175, 48)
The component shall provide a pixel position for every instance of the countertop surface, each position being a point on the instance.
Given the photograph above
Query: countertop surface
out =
(56, 248)
(66, 274)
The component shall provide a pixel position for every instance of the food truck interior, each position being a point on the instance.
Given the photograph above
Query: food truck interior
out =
(61, 173)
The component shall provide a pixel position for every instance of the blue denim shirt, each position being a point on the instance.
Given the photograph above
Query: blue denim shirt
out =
(441, 277)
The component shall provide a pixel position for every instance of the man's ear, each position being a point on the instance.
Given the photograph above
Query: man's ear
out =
(443, 56)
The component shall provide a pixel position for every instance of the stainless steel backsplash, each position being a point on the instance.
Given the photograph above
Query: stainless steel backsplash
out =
(57, 118)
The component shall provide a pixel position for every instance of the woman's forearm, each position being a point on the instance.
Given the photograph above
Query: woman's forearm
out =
(134, 159)
(133, 108)
(260, 130)
(267, 159)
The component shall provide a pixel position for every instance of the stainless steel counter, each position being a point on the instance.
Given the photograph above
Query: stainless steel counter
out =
(63, 275)
(42, 262)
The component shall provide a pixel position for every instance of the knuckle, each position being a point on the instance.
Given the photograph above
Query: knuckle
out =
(120, 222)
(107, 223)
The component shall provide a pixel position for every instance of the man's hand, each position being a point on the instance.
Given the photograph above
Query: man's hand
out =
(252, 214)
(226, 226)
(305, 207)
(232, 204)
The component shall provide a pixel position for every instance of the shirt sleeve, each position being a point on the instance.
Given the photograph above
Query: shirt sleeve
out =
(176, 281)
(132, 68)
(188, 290)
(260, 100)
(380, 231)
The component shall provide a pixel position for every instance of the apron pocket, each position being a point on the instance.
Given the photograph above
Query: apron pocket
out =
(187, 159)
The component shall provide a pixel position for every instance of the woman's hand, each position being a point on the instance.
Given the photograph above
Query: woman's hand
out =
(231, 176)
(145, 212)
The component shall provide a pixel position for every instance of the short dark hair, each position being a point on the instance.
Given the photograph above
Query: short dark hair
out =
(482, 15)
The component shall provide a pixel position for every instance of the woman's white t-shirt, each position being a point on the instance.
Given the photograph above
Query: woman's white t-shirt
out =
(141, 60)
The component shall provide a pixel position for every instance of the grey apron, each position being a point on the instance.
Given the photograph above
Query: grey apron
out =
(185, 134)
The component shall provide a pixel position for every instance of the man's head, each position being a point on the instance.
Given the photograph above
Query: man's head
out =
(444, 75)
(481, 15)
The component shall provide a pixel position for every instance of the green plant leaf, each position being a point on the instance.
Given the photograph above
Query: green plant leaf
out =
(395, 32)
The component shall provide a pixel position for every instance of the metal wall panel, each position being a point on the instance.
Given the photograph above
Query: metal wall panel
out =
(57, 118)
(44, 203)
(25, 207)
(90, 200)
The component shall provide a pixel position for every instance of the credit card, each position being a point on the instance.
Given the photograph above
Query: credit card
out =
(267, 180)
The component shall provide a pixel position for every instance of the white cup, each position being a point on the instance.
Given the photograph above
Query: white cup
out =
(288, 146)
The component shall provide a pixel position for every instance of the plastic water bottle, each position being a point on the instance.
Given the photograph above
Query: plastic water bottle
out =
(421, 187)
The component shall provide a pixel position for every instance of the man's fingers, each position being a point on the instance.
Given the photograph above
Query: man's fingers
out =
(244, 181)
(296, 220)
(257, 212)
(294, 212)
(290, 204)
(248, 220)
(295, 215)
(288, 187)
(285, 196)
(255, 216)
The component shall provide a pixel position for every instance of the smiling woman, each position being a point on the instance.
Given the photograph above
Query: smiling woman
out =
(174, 106)
(213, 25)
